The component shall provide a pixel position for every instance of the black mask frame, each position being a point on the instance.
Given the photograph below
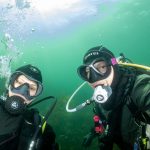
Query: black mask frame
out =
(94, 74)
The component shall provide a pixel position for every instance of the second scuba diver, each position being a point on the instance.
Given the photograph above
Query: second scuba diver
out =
(18, 124)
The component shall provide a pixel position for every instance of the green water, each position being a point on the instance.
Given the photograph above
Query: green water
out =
(121, 26)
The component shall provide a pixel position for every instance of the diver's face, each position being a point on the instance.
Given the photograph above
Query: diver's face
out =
(31, 87)
(104, 82)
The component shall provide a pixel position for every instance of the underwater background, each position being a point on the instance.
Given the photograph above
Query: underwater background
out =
(54, 36)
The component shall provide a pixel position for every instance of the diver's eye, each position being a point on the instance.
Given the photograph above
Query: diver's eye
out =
(17, 83)
(102, 69)
(33, 90)
(100, 66)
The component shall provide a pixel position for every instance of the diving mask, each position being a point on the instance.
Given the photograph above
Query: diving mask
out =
(99, 69)
(28, 90)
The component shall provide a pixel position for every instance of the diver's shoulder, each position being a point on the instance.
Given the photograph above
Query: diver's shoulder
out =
(142, 80)
(142, 77)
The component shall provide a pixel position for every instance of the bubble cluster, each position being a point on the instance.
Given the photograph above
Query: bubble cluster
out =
(21, 4)
(5, 69)
(11, 54)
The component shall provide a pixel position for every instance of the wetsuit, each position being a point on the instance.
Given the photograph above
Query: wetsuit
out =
(123, 123)
(16, 132)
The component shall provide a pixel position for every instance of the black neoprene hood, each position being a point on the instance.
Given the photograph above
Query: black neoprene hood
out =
(97, 52)
(31, 71)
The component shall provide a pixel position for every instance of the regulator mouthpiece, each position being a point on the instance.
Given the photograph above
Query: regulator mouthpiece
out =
(102, 93)
(15, 105)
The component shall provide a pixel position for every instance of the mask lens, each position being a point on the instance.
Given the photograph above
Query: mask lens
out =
(84, 72)
(39, 89)
(101, 66)
(32, 89)
(21, 85)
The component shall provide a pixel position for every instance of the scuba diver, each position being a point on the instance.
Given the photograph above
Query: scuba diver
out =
(22, 128)
(121, 100)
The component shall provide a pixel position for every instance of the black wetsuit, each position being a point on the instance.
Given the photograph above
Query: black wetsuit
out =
(9, 127)
(123, 129)
(17, 131)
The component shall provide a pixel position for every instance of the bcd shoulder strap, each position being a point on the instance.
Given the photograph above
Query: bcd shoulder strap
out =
(138, 114)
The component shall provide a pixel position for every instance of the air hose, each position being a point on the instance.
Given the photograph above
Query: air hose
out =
(134, 65)
(87, 102)
(33, 141)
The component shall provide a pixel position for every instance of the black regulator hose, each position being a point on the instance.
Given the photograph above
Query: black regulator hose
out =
(33, 141)
(39, 101)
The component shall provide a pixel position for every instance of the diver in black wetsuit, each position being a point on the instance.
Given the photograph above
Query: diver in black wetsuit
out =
(18, 123)
(123, 99)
